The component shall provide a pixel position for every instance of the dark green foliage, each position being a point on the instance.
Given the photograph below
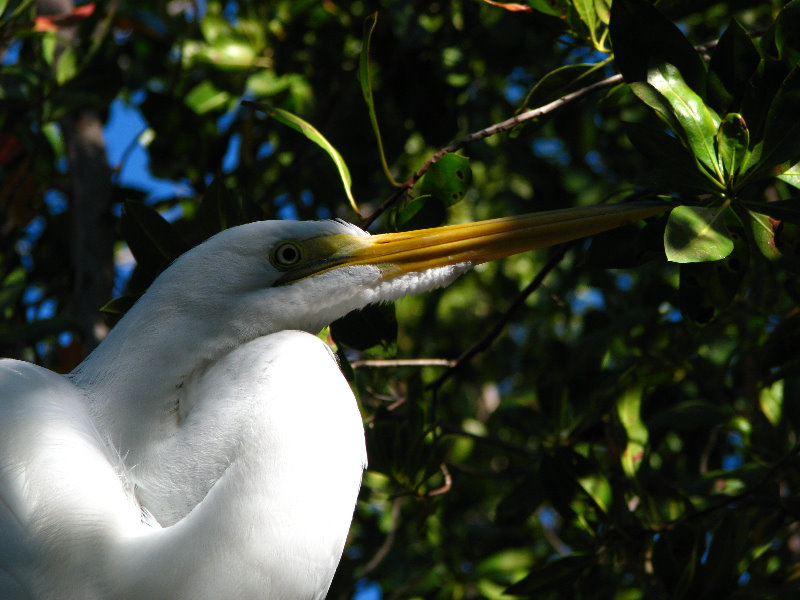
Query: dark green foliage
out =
(632, 431)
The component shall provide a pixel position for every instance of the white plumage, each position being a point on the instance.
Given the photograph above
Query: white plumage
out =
(210, 447)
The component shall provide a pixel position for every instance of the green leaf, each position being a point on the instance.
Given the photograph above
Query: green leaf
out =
(787, 33)
(642, 37)
(366, 90)
(629, 413)
(733, 140)
(763, 228)
(733, 63)
(11, 288)
(586, 12)
(448, 179)
(705, 289)
(603, 10)
(361, 329)
(699, 122)
(558, 83)
(66, 65)
(791, 175)
(674, 167)
(781, 142)
(115, 309)
(545, 7)
(783, 210)
(552, 575)
(151, 238)
(315, 136)
(650, 96)
(770, 399)
(697, 234)
(206, 97)
(520, 503)
(421, 212)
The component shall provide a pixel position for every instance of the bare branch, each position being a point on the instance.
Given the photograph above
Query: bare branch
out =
(487, 340)
(402, 362)
(506, 125)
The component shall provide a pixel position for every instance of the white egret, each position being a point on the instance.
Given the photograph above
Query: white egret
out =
(209, 447)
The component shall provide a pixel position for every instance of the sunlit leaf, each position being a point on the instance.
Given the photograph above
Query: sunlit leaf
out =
(366, 91)
(763, 228)
(587, 14)
(448, 179)
(315, 136)
(648, 94)
(629, 414)
(697, 234)
(770, 399)
(791, 175)
(206, 97)
(66, 65)
(699, 122)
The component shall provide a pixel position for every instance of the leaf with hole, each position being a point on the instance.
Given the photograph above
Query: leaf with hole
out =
(448, 179)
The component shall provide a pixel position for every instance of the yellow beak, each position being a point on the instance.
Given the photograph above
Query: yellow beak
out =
(482, 241)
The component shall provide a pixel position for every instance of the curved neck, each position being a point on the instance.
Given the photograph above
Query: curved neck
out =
(279, 513)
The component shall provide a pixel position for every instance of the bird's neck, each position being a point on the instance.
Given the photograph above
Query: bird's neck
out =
(133, 380)
(294, 451)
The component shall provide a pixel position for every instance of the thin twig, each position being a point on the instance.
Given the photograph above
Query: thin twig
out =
(733, 499)
(486, 341)
(402, 362)
(506, 125)
(448, 482)
(383, 551)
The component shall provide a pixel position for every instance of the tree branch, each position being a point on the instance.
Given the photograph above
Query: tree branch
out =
(402, 362)
(506, 125)
(486, 341)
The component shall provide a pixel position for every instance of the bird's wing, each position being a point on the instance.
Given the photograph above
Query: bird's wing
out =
(61, 495)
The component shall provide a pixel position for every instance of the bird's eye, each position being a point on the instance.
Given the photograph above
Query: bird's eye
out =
(285, 255)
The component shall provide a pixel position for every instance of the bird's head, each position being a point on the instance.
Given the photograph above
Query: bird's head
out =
(273, 275)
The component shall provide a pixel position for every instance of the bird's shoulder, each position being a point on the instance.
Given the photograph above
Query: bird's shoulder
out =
(60, 489)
